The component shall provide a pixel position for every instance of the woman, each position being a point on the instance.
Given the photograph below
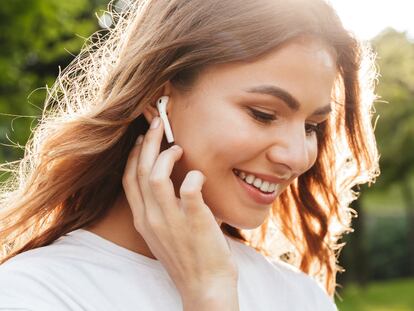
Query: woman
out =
(271, 120)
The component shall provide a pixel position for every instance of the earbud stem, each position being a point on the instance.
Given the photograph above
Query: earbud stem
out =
(162, 105)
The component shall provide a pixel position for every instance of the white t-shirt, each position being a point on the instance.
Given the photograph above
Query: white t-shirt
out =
(83, 271)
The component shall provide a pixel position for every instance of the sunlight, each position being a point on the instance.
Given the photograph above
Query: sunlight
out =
(367, 18)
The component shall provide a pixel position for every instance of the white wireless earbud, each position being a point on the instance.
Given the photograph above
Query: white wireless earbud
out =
(162, 109)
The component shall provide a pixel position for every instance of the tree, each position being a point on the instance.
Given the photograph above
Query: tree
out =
(36, 38)
(395, 130)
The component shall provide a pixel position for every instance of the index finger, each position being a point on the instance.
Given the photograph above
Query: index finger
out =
(130, 182)
(149, 153)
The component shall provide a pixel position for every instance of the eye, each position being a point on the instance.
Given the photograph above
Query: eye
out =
(261, 116)
(313, 128)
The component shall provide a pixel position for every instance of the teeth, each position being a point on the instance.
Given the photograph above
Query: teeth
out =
(264, 186)
(257, 182)
(249, 179)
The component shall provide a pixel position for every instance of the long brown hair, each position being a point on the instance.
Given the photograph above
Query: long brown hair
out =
(72, 169)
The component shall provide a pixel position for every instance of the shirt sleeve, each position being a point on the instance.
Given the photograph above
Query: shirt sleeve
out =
(323, 300)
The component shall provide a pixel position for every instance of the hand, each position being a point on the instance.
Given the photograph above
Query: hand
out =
(180, 232)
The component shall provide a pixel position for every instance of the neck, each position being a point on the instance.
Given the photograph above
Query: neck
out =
(117, 226)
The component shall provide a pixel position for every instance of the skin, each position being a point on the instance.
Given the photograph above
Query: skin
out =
(216, 130)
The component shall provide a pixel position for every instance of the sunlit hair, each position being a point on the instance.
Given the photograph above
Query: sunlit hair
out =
(72, 169)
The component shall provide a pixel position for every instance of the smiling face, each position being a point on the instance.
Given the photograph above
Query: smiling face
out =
(258, 117)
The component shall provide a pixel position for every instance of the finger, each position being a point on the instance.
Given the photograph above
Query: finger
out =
(190, 192)
(149, 154)
(160, 179)
(148, 112)
(130, 182)
(151, 110)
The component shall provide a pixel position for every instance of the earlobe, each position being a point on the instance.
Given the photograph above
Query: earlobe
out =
(150, 112)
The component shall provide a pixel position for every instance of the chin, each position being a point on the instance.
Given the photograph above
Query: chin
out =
(247, 223)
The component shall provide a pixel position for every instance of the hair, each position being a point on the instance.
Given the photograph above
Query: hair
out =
(93, 114)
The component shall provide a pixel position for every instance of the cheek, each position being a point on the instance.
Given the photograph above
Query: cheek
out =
(225, 133)
(237, 139)
(312, 149)
(210, 142)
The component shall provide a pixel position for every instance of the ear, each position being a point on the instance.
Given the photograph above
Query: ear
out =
(151, 111)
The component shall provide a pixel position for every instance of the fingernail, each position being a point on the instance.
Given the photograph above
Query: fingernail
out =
(139, 140)
(155, 122)
(176, 147)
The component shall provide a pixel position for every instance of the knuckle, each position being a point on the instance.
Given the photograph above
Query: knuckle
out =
(147, 137)
(138, 224)
(156, 181)
(127, 180)
(154, 221)
(142, 170)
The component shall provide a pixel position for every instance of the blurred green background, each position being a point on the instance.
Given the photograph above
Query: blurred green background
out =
(36, 37)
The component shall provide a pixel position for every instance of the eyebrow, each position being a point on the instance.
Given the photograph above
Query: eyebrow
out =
(286, 97)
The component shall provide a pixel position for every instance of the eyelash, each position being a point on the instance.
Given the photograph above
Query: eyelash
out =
(268, 118)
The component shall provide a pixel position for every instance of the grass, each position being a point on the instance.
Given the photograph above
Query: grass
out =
(395, 295)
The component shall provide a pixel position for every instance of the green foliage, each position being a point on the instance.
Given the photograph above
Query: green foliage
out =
(395, 130)
(396, 295)
(37, 37)
(383, 237)
(387, 249)
(386, 233)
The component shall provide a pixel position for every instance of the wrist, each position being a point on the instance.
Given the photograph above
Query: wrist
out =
(218, 296)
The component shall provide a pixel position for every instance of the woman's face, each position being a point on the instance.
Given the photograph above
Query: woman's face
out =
(221, 125)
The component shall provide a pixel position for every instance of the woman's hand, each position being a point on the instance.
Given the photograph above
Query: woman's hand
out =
(181, 232)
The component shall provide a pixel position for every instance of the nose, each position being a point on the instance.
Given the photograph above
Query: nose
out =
(292, 149)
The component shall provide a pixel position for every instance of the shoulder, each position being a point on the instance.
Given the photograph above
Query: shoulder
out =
(62, 257)
(295, 284)
(24, 284)
(29, 280)
(43, 259)
(306, 284)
